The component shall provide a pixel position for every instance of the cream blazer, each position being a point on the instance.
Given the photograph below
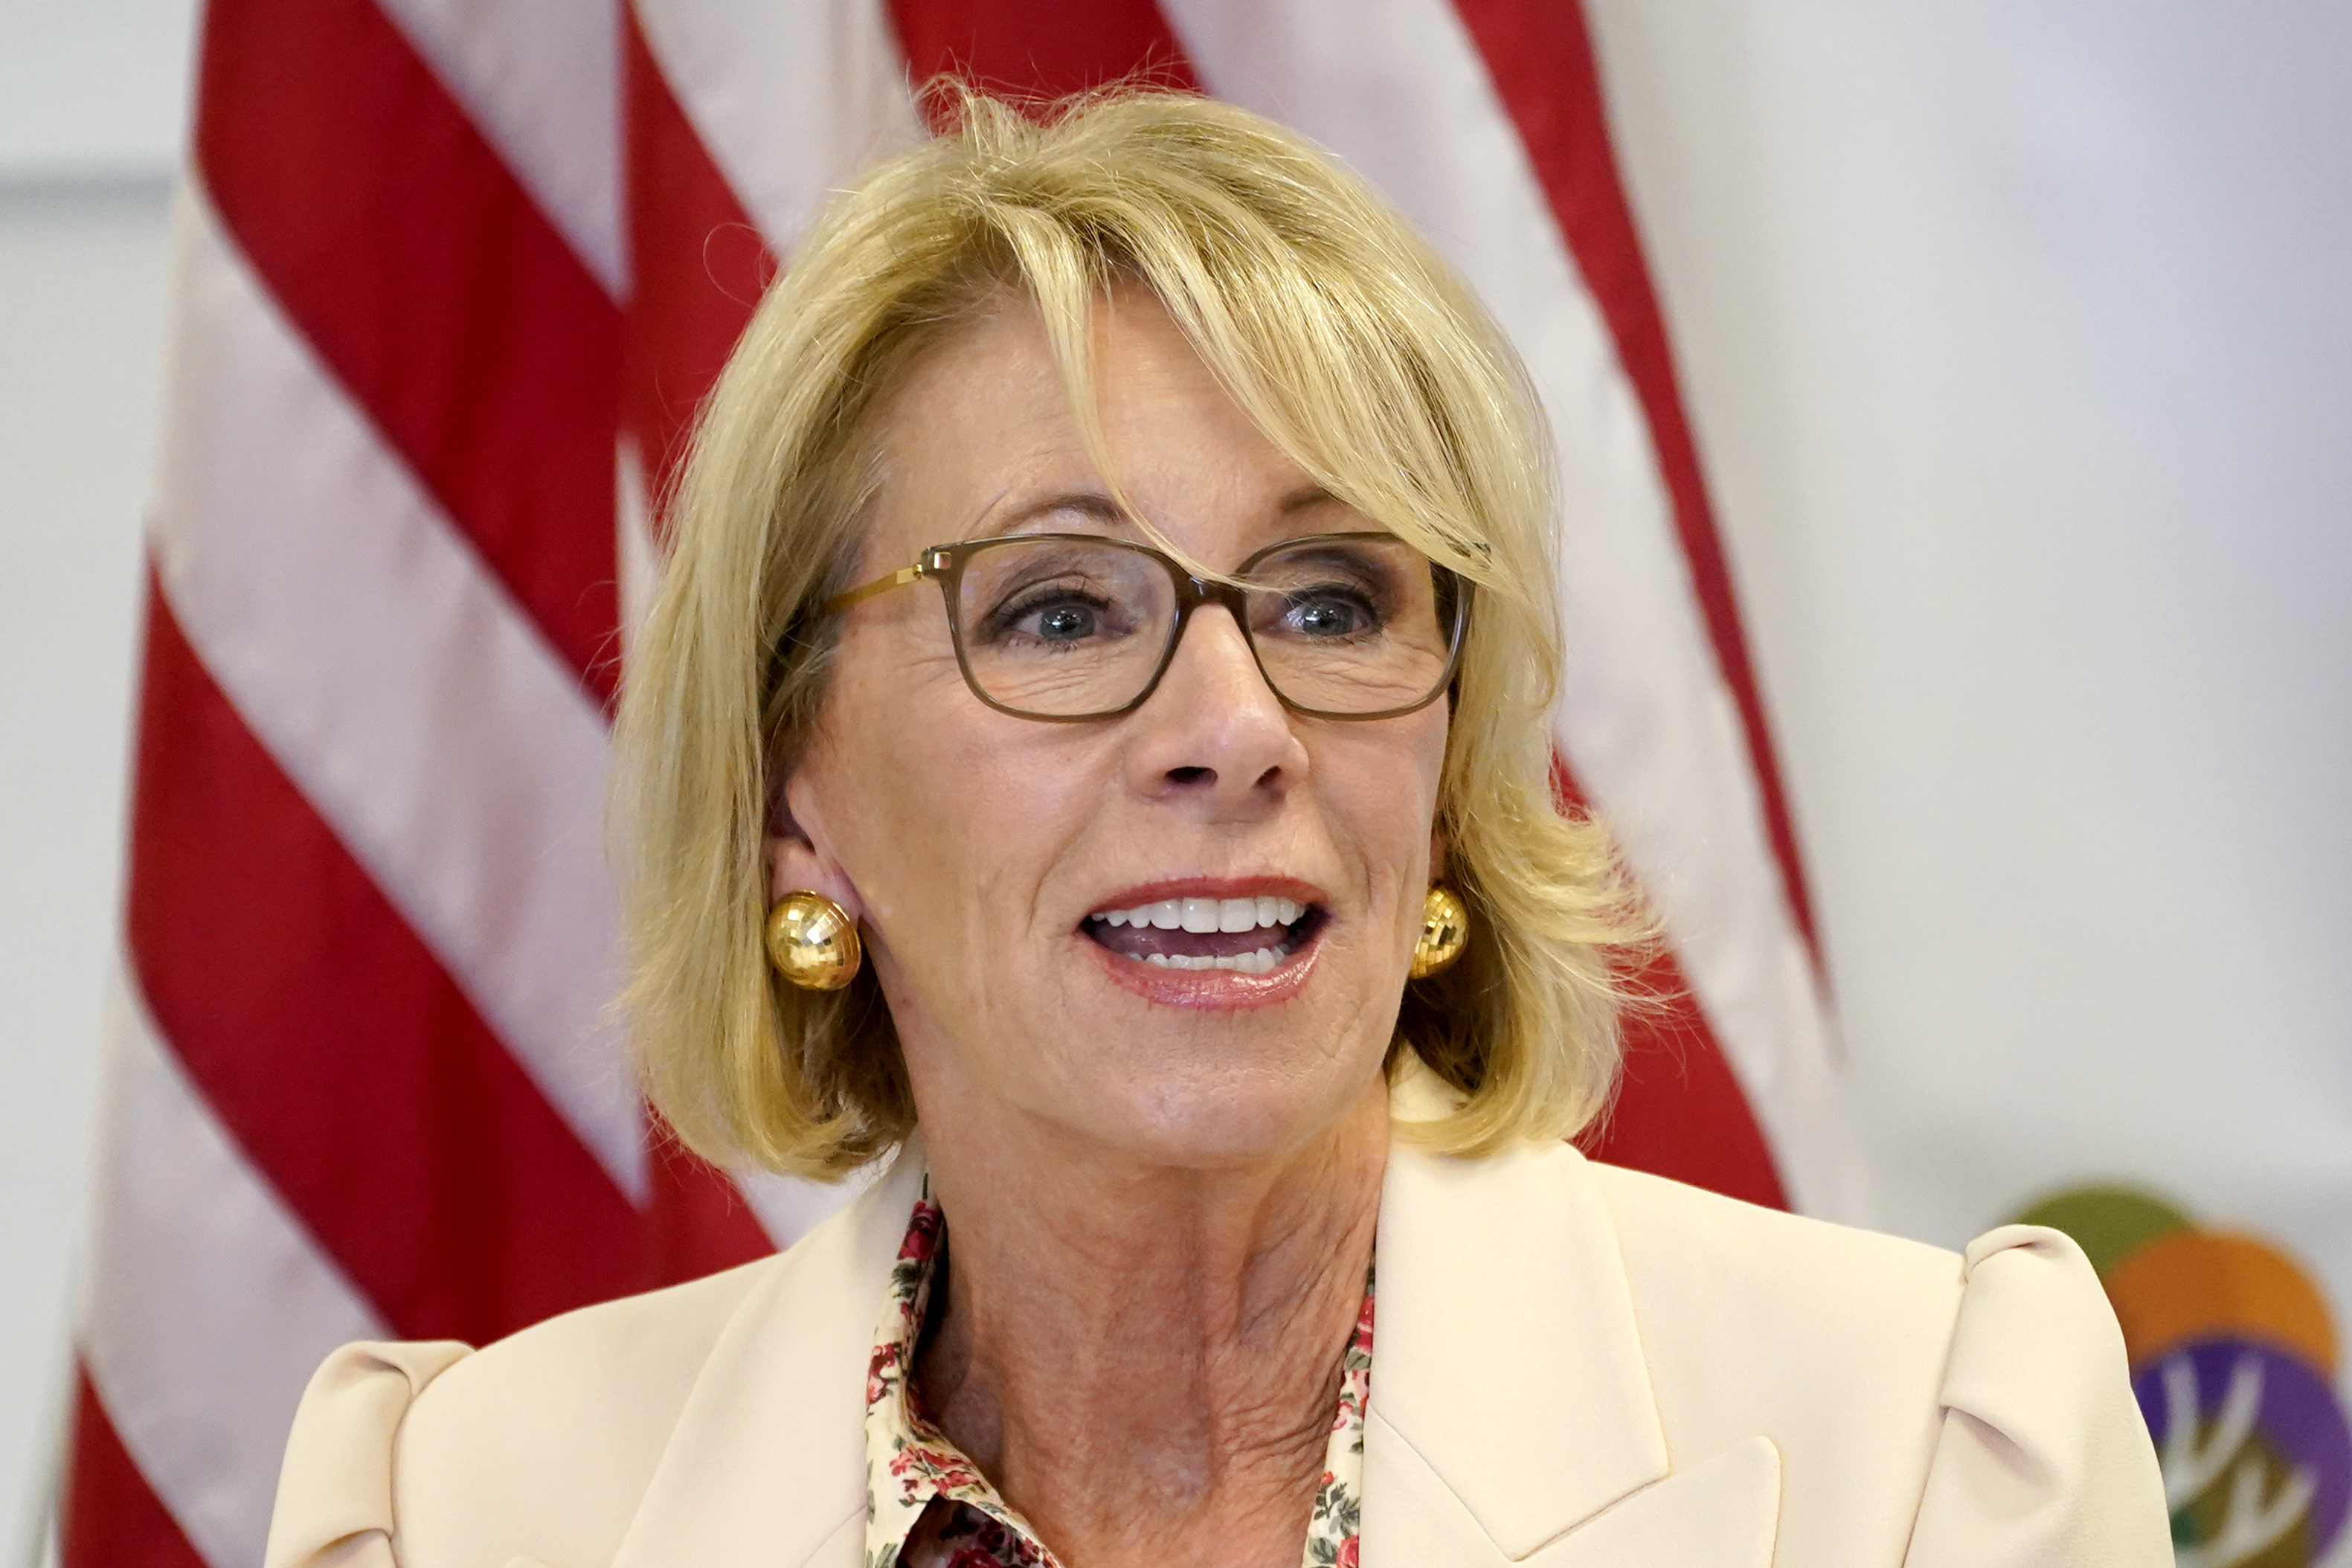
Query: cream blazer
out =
(1574, 1366)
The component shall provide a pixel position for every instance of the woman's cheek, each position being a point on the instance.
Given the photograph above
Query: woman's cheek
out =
(1385, 828)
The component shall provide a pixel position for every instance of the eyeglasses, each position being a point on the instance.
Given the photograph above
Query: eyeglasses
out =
(1067, 626)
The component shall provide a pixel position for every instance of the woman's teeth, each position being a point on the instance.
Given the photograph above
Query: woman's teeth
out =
(1260, 962)
(1248, 936)
(1207, 915)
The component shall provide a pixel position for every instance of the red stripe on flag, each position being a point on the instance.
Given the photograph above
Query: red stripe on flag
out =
(109, 1517)
(699, 267)
(696, 1223)
(343, 1059)
(1044, 48)
(1679, 1111)
(432, 286)
(1541, 58)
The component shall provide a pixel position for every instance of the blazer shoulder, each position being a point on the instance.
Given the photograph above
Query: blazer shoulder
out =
(1983, 1391)
(2043, 1456)
(1827, 1339)
(1803, 1275)
(549, 1437)
(542, 1441)
(1695, 1254)
(618, 1354)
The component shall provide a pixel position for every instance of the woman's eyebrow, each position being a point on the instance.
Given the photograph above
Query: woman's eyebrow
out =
(1092, 505)
(1096, 506)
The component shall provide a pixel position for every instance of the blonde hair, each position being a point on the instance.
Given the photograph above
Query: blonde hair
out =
(1357, 352)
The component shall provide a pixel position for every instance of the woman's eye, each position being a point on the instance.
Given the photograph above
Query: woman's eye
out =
(1065, 623)
(1329, 615)
(1057, 618)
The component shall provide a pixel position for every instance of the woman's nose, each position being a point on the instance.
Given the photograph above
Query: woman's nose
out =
(1213, 731)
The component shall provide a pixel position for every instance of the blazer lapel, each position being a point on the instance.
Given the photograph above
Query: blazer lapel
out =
(1511, 1417)
(767, 1466)
(1723, 1513)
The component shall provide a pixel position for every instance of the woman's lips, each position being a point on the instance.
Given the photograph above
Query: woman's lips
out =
(1218, 942)
(1179, 968)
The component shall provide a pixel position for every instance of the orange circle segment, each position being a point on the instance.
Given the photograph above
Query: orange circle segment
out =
(2196, 1284)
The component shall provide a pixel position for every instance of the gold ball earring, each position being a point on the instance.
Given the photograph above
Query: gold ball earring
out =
(1445, 933)
(813, 941)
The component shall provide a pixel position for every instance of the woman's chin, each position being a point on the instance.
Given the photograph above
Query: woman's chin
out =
(1223, 1132)
(1195, 1068)
(1183, 1102)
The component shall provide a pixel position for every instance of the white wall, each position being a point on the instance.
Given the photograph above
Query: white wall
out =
(92, 97)
(81, 335)
(2018, 340)
(92, 91)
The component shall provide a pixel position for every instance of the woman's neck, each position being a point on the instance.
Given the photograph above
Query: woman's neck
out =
(1146, 1360)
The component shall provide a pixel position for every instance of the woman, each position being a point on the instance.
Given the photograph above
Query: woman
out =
(1103, 670)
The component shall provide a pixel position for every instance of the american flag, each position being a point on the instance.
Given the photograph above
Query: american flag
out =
(450, 277)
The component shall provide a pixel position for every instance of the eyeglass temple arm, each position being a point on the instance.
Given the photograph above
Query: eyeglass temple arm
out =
(899, 579)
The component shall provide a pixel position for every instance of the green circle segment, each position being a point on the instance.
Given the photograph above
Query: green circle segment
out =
(2108, 1222)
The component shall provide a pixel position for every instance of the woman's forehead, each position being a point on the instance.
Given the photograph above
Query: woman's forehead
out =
(982, 440)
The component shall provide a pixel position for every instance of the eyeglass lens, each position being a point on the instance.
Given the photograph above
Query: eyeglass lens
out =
(1062, 628)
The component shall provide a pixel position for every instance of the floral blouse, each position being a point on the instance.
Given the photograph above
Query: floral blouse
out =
(927, 1506)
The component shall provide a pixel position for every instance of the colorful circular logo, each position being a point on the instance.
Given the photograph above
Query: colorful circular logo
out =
(2233, 1358)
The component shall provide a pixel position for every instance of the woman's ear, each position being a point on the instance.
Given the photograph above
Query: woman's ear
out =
(798, 861)
(1436, 854)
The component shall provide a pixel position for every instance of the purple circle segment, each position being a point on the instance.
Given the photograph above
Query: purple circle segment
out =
(2298, 1415)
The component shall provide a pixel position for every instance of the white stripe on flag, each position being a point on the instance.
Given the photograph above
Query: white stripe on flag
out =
(208, 1305)
(540, 80)
(1400, 92)
(394, 680)
(789, 100)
